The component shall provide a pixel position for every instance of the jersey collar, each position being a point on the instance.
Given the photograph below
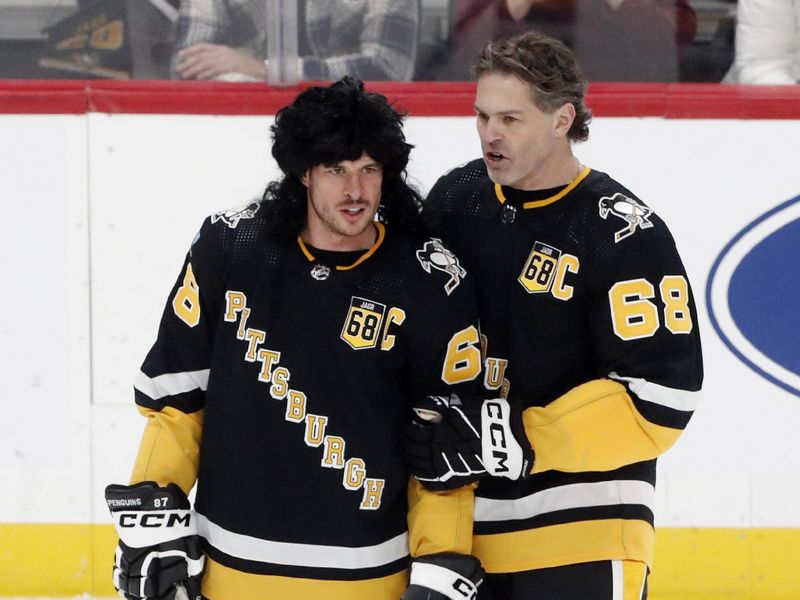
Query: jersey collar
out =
(381, 236)
(501, 197)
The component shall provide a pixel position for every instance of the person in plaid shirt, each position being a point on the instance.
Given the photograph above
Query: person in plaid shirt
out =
(369, 39)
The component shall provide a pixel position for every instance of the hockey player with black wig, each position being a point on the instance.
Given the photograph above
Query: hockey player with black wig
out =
(303, 137)
(300, 333)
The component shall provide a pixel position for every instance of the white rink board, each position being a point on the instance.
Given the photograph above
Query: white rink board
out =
(144, 184)
(44, 320)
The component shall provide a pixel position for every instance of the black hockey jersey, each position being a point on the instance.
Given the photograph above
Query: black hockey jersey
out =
(293, 377)
(590, 327)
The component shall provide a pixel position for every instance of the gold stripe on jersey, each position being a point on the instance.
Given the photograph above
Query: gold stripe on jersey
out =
(378, 241)
(498, 190)
(593, 427)
(304, 249)
(223, 583)
(633, 576)
(439, 521)
(170, 448)
(570, 543)
(381, 235)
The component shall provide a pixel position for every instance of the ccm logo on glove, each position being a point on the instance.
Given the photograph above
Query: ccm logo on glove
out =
(495, 423)
(465, 588)
(150, 519)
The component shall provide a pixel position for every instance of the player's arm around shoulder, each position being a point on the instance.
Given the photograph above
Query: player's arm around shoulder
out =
(645, 336)
(459, 432)
(447, 363)
(446, 368)
(446, 328)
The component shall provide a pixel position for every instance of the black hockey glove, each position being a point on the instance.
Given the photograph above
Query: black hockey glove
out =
(444, 576)
(159, 553)
(444, 449)
(443, 444)
(505, 449)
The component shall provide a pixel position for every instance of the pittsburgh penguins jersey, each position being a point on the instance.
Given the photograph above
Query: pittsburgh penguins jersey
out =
(281, 378)
(590, 328)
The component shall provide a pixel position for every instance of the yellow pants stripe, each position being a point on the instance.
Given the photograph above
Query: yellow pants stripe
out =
(565, 544)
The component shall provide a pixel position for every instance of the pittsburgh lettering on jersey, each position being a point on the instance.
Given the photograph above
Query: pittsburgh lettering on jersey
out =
(546, 269)
(494, 370)
(363, 325)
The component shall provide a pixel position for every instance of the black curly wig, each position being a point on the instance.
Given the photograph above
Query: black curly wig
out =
(327, 125)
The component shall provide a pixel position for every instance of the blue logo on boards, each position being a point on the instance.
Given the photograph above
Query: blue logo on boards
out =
(753, 295)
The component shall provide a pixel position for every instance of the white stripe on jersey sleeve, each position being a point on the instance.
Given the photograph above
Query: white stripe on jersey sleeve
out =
(660, 394)
(575, 495)
(171, 384)
(247, 547)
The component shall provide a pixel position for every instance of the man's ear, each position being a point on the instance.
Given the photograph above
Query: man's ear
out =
(304, 176)
(565, 116)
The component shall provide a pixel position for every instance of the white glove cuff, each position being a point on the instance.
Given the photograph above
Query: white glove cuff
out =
(500, 452)
(442, 580)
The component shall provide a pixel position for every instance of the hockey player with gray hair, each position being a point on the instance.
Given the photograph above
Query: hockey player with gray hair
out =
(590, 339)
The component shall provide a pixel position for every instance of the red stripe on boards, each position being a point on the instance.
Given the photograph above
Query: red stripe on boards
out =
(668, 100)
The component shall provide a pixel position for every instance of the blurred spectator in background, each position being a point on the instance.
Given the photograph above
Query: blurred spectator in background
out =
(112, 39)
(767, 42)
(370, 39)
(614, 40)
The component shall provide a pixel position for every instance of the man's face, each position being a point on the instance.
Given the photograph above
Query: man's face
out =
(342, 201)
(521, 144)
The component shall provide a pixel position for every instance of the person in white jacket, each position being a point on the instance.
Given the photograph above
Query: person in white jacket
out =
(767, 42)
